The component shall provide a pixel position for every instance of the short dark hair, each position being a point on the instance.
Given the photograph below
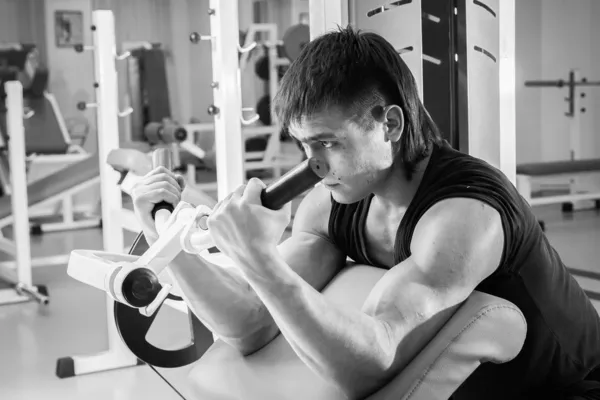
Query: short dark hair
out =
(356, 71)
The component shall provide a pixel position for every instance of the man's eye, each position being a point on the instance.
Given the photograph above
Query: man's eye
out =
(326, 144)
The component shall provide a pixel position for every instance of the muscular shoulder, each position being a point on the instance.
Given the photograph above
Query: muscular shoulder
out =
(313, 213)
(464, 232)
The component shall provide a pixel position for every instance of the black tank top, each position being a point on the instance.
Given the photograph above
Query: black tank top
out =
(562, 345)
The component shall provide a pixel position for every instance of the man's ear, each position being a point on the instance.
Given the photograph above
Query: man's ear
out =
(393, 121)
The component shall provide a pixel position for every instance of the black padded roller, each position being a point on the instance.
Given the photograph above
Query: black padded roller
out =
(294, 183)
(173, 134)
(162, 158)
(153, 132)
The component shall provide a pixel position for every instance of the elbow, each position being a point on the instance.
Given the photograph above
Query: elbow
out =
(366, 381)
(255, 341)
(360, 389)
(374, 374)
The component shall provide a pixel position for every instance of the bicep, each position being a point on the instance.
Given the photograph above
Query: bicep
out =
(455, 245)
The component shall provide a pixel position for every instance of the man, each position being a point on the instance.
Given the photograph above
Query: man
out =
(397, 197)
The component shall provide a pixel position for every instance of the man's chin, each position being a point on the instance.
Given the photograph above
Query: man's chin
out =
(345, 198)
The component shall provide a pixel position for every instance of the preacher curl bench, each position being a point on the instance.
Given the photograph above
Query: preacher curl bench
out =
(484, 329)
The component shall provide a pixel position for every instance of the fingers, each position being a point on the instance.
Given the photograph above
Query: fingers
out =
(253, 191)
(233, 195)
(157, 192)
(248, 193)
(162, 177)
(181, 181)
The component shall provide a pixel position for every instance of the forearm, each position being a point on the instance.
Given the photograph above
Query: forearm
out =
(224, 301)
(344, 346)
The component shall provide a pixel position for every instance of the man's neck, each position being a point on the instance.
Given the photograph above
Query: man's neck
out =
(396, 191)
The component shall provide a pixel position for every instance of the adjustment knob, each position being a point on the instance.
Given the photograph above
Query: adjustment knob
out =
(212, 110)
(140, 287)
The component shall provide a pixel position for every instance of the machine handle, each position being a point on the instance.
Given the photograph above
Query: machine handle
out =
(293, 183)
(162, 158)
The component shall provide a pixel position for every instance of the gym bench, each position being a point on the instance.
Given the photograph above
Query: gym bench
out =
(527, 172)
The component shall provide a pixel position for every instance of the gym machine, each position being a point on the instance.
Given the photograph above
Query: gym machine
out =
(573, 169)
(135, 282)
(262, 143)
(20, 276)
(228, 146)
(49, 144)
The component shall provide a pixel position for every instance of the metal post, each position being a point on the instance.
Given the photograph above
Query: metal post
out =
(508, 137)
(18, 176)
(273, 87)
(107, 98)
(105, 72)
(227, 96)
(326, 15)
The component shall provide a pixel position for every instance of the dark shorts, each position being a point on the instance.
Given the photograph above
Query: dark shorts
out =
(585, 390)
(491, 386)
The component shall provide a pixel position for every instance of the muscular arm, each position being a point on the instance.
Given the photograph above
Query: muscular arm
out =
(456, 245)
(224, 301)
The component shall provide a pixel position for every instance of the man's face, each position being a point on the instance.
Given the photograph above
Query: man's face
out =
(358, 158)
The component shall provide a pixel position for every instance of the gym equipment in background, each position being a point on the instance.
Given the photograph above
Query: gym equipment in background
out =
(17, 208)
(571, 171)
(42, 171)
(265, 154)
(20, 62)
(147, 91)
(147, 88)
(49, 147)
(49, 150)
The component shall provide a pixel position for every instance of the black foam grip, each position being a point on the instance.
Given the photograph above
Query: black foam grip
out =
(162, 158)
(294, 183)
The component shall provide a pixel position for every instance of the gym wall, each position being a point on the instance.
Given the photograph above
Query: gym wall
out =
(553, 36)
(71, 80)
(71, 74)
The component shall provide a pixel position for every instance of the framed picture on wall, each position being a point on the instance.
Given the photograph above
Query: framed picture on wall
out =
(68, 28)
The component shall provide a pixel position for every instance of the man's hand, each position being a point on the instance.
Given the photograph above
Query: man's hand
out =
(243, 229)
(158, 185)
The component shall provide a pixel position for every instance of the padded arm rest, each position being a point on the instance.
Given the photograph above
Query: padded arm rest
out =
(133, 160)
(485, 328)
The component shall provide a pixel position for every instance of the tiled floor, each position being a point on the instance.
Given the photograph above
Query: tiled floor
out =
(33, 337)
